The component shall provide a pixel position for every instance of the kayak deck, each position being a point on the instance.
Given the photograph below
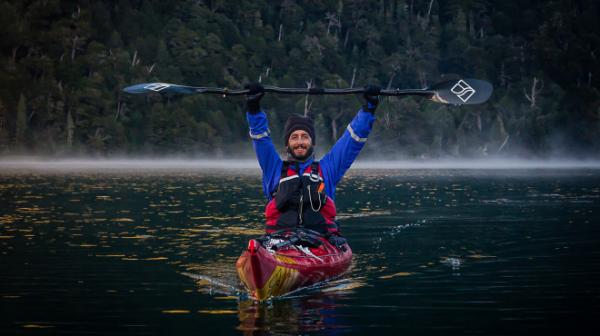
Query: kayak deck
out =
(268, 270)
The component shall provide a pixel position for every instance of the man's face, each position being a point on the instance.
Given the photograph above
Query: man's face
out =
(299, 144)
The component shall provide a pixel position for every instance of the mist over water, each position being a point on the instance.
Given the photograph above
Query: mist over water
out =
(210, 165)
(126, 165)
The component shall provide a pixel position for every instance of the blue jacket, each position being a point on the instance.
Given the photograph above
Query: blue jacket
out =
(333, 165)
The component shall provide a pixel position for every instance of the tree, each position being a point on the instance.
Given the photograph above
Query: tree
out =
(4, 135)
(21, 122)
(64, 64)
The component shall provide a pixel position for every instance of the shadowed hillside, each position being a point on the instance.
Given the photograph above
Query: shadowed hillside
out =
(63, 65)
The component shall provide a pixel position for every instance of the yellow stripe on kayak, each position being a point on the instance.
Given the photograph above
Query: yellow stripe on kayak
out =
(285, 260)
(280, 282)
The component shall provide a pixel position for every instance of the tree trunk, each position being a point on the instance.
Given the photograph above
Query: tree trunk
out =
(280, 35)
(387, 120)
(389, 84)
(346, 38)
(14, 55)
(353, 78)
(422, 79)
(472, 30)
(3, 118)
(74, 47)
(425, 22)
(150, 68)
(334, 127)
(120, 108)
(307, 105)
(21, 124)
(503, 77)
(135, 60)
(334, 124)
(536, 88)
(70, 129)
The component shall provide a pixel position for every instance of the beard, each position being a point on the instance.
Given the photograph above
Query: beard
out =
(307, 154)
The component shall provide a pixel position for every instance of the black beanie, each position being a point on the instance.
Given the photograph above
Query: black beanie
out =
(297, 122)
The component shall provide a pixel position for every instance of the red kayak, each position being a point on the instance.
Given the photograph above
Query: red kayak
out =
(276, 265)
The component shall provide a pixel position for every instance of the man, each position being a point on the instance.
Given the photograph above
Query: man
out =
(300, 190)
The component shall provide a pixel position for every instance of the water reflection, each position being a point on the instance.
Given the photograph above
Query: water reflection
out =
(149, 249)
(293, 316)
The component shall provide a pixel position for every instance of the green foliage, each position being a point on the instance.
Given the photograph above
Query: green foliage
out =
(71, 60)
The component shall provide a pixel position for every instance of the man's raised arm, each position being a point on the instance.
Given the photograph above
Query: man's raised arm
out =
(341, 156)
(268, 159)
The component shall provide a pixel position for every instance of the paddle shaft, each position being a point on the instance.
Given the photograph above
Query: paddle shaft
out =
(317, 91)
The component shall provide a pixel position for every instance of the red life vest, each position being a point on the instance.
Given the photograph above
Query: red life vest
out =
(301, 202)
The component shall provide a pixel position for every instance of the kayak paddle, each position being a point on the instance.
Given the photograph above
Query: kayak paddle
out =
(455, 92)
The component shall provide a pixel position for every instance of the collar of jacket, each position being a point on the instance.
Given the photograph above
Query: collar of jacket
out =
(303, 164)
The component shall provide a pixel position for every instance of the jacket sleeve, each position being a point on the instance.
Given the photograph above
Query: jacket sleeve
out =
(341, 156)
(268, 159)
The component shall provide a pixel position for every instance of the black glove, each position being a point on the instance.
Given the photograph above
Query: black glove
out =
(371, 96)
(253, 97)
(337, 241)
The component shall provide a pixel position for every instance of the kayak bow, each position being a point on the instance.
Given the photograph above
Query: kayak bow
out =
(278, 266)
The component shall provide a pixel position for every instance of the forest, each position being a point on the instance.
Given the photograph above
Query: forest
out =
(64, 64)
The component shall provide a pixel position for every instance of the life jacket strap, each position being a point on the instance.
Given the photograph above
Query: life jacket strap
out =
(284, 169)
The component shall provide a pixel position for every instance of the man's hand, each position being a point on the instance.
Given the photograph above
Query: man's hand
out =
(371, 96)
(253, 97)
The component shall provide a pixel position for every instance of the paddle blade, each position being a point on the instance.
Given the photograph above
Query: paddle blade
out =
(161, 88)
(462, 92)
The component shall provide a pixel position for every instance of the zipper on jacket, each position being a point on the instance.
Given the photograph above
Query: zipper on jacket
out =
(300, 210)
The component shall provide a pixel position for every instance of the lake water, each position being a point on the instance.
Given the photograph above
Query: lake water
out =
(143, 253)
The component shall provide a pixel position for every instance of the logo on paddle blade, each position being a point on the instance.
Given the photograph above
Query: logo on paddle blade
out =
(463, 90)
(157, 86)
